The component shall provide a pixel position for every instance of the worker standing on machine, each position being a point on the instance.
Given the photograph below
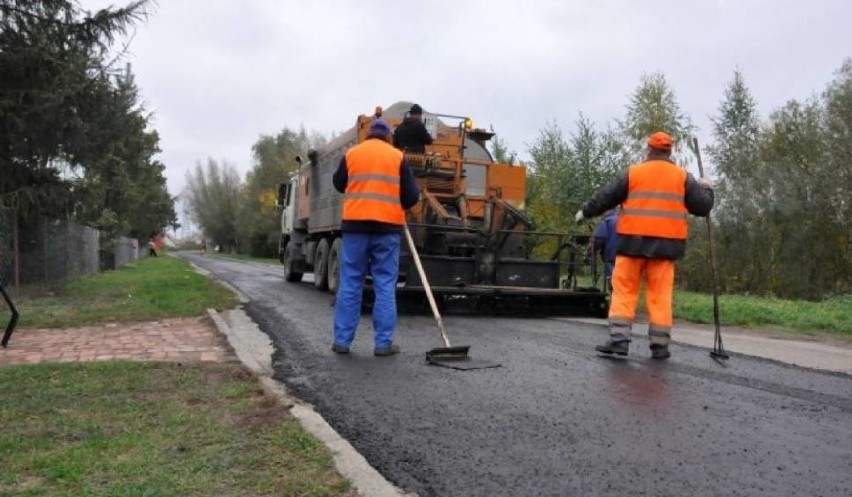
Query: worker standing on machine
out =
(377, 185)
(655, 196)
(411, 135)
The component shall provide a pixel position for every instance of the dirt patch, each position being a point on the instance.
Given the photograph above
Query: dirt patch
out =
(28, 482)
(266, 413)
(218, 376)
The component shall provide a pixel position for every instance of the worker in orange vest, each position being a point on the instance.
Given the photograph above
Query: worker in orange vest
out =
(378, 185)
(655, 197)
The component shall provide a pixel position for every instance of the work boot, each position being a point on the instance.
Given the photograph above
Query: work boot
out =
(660, 351)
(614, 347)
(386, 351)
(340, 349)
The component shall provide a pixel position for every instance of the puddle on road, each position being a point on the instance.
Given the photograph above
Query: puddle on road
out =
(643, 389)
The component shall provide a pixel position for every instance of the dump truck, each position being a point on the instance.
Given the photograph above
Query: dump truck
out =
(478, 246)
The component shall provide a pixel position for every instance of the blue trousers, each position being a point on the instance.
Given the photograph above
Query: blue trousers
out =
(378, 252)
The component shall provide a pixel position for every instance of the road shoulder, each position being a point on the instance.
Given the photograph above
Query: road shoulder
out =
(804, 351)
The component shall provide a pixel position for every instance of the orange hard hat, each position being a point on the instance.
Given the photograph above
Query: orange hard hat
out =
(660, 140)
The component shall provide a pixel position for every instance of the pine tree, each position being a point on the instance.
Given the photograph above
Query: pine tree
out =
(653, 107)
(500, 151)
(565, 172)
(54, 58)
(741, 191)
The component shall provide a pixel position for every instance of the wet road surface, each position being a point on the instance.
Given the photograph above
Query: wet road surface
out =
(556, 419)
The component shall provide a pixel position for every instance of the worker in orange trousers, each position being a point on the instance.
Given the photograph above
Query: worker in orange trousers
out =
(655, 198)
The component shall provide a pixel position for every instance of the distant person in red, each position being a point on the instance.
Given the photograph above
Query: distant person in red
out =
(203, 246)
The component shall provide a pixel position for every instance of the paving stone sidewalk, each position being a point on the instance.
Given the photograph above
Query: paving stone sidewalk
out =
(193, 339)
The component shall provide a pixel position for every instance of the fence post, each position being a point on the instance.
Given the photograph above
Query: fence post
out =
(44, 249)
(17, 253)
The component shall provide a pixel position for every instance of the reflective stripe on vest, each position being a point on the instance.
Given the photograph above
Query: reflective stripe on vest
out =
(655, 204)
(372, 188)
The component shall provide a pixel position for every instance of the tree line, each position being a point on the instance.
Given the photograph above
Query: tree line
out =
(783, 191)
(242, 215)
(783, 215)
(75, 140)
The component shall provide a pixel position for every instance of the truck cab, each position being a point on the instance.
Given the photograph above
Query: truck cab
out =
(287, 202)
(288, 194)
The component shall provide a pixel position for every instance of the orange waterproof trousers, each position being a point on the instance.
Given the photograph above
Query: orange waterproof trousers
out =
(659, 282)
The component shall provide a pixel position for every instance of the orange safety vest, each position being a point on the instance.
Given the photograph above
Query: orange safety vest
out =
(372, 189)
(655, 203)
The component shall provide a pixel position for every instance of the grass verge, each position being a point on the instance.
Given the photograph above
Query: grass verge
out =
(157, 429)
(245, 257)
(831, 317)
(151, 289)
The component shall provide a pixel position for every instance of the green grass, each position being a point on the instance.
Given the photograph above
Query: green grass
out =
(151, 289)
(157, 429)
(830, 317)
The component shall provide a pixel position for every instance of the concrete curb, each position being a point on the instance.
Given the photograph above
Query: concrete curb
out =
(254, 349)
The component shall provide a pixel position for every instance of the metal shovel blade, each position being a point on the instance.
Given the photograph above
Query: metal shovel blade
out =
(458, 353)
(719, 356)
(457, 358)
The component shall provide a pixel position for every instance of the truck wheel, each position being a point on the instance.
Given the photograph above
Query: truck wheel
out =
(334, 265)
(282, 249)
(321, 266)
(287, 261)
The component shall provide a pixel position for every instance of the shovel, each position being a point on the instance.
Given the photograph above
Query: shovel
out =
(718, 353)
(448, 356)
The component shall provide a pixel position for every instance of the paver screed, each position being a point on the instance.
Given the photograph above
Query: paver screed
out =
(194, 339)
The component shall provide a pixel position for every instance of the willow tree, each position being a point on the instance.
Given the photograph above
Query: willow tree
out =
(274, 157)
(838, 143)
(213, 193)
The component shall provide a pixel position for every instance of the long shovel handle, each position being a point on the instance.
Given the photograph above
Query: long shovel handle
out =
(717, 345)
(426, 287)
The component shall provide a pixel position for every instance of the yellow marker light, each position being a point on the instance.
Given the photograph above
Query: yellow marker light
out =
(468, 123)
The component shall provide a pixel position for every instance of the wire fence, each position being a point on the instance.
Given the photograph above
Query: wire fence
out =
(41, 254)
(126, 250)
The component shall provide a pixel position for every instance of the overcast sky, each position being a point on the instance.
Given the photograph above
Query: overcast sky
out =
(217, 74)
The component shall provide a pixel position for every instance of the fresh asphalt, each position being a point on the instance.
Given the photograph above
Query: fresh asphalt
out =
(556, 419)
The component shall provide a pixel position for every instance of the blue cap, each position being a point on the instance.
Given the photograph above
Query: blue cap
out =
(379, 127)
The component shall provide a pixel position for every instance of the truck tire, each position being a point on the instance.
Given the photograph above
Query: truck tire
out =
(334, 265)
(321, 266)
(287, 261)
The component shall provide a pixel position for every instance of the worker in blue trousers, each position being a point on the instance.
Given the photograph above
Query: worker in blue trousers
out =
(604, 242)
(378, 185)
